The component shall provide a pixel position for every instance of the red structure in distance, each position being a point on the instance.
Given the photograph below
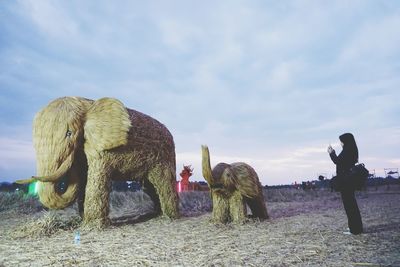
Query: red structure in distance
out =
(185, 185)
(185, 174)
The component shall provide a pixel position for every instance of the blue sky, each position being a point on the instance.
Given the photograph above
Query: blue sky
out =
(270, 83)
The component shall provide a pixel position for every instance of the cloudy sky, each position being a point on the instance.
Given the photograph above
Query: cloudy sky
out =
(270, 83)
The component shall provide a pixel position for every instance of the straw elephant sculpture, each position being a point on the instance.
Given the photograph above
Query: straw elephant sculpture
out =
(86, 144)
(233, 186)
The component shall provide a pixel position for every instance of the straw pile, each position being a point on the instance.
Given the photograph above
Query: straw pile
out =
(299, 233)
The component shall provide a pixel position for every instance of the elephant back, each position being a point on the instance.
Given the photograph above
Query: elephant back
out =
(148, 135)
(246, 179)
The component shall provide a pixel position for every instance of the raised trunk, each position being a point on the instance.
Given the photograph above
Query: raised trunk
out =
(206, 166)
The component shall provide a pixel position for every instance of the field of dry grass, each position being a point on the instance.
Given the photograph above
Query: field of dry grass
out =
(305, 229)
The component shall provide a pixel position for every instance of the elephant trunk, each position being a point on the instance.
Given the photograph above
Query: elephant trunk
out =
(206, 166)
(51, 197)
(59, 189)
(63, 190)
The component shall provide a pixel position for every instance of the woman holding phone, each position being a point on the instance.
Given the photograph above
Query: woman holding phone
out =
(344, 161)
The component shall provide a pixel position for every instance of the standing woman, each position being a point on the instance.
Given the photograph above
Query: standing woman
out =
(347, 159)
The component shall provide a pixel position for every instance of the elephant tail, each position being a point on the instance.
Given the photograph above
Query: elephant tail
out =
(206, 166)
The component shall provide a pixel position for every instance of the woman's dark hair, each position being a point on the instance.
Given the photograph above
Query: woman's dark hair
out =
(349, 145)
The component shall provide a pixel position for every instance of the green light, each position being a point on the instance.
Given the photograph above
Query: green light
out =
(33, 188)
(36, 187)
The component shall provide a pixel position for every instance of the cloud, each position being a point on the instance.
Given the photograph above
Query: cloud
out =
(268, 83)
(17, 159)
(177, 35)
(51, 19)
(376, 40)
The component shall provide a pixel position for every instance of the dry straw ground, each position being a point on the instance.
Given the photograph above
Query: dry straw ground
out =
(305, 229)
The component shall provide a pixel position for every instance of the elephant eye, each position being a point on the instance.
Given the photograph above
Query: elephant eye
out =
(62, 186)
(69, 133)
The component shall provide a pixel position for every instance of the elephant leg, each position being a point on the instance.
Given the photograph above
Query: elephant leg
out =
(96, 206)
(163, 179)
(237, 207)
(81, 198)
(220, 212)
(81, 203)
(257, 207)
(149, 189)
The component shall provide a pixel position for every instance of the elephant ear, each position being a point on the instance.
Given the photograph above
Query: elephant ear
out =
(246, 180)
(107, 124)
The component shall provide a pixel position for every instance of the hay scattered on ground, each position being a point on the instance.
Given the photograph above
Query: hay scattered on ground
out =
(299, 233)
(47, 224)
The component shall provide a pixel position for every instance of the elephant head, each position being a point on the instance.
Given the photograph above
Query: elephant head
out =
(221, 179)
(64, 132)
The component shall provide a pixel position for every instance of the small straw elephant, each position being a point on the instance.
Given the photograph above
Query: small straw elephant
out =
(232, 187)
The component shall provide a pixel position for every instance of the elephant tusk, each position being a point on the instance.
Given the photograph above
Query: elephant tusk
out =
(26, 181)
(61, 171)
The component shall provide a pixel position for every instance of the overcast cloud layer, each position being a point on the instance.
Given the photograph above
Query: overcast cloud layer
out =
(270, 83)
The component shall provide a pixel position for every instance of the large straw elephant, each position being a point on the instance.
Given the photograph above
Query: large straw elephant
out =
(86, 144)
(233, 187)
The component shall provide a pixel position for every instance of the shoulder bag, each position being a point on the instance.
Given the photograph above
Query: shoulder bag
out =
(359, 175)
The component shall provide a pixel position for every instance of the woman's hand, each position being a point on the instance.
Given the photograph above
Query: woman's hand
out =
(330, 149)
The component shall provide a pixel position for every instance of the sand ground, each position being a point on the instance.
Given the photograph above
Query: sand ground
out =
(298, 233)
